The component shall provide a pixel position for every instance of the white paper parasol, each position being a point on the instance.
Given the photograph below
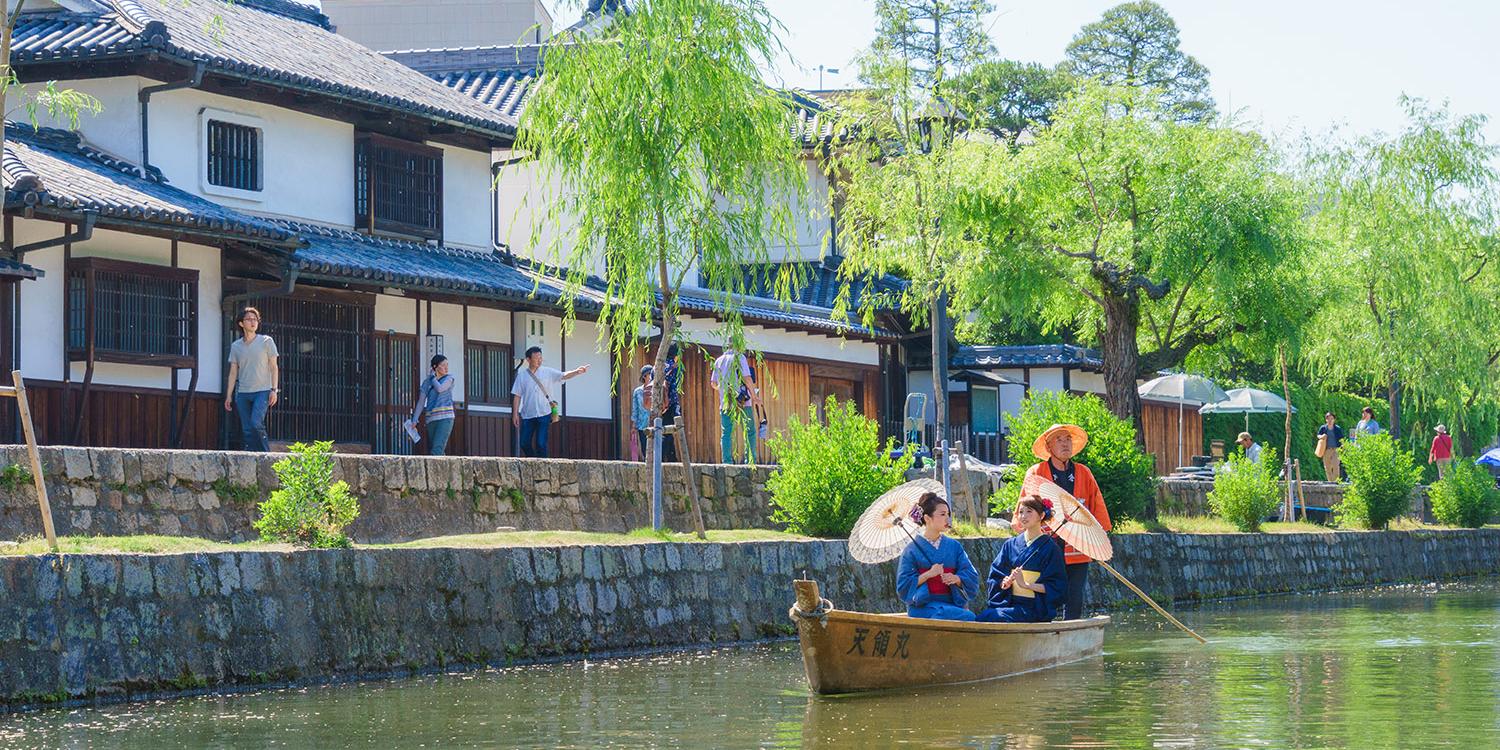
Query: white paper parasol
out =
(885, 528)
(1070, 520)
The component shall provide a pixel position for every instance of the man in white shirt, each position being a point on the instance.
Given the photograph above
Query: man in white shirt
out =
(534, 392)
(733, 379)
(1252, 448)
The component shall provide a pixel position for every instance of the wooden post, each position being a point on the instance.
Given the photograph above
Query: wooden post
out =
(1301, 498)
(963, 477)
(24, 407)
(692, 480)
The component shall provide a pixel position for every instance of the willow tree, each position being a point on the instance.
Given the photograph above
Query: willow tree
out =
(902, 170)
(1152, 237)
(661, 154)
(1407, 227)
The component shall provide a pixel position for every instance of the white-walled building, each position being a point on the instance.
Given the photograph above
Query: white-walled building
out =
(246, 154)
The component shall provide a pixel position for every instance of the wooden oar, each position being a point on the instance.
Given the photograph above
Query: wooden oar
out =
(1150, 601)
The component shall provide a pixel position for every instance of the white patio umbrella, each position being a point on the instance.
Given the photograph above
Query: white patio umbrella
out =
(1248, 401)
(1182, 388)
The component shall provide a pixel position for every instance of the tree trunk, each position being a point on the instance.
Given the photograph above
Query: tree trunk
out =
(1122, 356)
(668, 330)
(1393, 397)
(940, 369)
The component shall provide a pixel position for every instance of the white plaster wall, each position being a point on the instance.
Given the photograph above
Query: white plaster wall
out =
(394, 313)
(43, 327)
(489, 325)
(308, 162)
(1089, 382)
(1046, 379)
(809, 219)
(466, 197)
(116, 129)
(521, 193)
(833, 349)
(448, 322)
(589, 394)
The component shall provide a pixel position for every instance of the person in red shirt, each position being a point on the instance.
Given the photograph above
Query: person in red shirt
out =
(1056, 447)
(1442, 451)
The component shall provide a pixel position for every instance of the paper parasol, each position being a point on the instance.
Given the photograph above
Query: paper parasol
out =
(885, 528)
(1070, 520)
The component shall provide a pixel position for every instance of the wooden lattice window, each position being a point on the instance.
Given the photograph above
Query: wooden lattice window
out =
(234, 156)
(135, 313)
(398, 186)
(487, 372)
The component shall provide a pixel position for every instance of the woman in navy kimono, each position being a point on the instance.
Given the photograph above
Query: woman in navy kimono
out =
(935, 577)
(1028, 580)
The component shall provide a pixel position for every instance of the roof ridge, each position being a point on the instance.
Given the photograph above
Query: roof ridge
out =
(72, 140)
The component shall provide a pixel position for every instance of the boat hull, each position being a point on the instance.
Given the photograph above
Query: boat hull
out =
(850, 652)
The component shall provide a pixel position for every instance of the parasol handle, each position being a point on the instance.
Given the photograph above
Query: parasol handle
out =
(1150, 601)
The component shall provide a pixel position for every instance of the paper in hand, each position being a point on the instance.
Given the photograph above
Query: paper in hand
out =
(411, 431)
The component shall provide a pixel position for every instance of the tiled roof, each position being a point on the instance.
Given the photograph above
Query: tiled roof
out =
(50, 168)
(276, 42)
(1039, 355)
(12, 269)
(501, 77)
(347, 254)
(822, 284)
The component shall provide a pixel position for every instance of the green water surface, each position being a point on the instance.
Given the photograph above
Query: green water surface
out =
(1409, 667)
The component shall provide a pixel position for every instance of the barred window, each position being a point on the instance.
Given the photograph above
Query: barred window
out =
(234, 156)
(487, 371)
(398, 186)
(134, 313)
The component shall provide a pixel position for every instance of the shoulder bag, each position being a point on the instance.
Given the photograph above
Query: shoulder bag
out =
(545, 394)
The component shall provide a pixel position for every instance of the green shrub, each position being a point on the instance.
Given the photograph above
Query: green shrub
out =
(310, 509)
(1381, 478)
(1466, 497)
(1245, 492)
(831, 471)
(1125, 473)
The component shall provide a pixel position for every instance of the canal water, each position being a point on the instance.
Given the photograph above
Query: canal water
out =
(1407, 667)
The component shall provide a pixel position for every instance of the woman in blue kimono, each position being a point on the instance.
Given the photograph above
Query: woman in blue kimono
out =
(935, 577)
(1028, 580)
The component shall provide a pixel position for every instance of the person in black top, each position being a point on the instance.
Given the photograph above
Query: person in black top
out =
(1331, 436)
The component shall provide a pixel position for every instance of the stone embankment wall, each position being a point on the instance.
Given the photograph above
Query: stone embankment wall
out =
(124, 626)
(213, 494)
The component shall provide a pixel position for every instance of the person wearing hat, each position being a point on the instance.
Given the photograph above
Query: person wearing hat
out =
(1442, 451)
(640, 408)
(1251, 448)
(1056, 447)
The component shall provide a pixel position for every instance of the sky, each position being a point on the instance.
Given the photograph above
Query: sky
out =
(1283, 66)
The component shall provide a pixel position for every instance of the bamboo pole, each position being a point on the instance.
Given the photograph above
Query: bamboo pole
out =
(1151, 601)
(692, 480)
(24, 407)
(1301, 498)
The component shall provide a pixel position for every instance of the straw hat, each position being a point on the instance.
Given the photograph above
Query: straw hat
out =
(1244, 437)
(1080, 439)
(1441, 429)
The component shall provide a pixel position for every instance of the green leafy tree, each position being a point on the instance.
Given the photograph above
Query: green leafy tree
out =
(1152, 237)
(1125, 473)
(1405, 225)
(1008, 97)
(665, 155)
(1136, 45)
(831, 470)
(903, 179)
(1246, 491)
(309, 509)
(1381, 480)
(1466, 497)
(62, 104)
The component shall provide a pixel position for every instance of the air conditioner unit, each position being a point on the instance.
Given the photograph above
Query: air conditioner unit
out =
(532, 329)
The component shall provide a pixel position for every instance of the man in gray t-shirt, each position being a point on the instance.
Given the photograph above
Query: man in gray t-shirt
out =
(253, 378)
(533, 391)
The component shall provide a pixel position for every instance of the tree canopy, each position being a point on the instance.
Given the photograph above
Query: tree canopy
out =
(1136, 45)
(661, 153)
(1150, 236)
(935, 38)
(1007, 97)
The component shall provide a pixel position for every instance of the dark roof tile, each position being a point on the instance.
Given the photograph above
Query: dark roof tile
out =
(1037, 355)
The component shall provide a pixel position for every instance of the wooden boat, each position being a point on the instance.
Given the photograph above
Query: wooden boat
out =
(850, 652)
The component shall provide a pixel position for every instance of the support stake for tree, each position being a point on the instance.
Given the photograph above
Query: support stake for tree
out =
(18, 392)
(942, 452)
(656, 475)
(692, 481)
(1301, 499)
(963, 476)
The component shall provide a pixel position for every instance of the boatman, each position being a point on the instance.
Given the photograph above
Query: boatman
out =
(1056, 448)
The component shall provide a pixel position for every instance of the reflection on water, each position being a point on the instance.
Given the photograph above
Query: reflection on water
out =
(1411, 668)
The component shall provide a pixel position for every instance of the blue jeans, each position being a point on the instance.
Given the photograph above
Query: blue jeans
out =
(535, 428)
(252, 408)
(437, 436)
(726, 435)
